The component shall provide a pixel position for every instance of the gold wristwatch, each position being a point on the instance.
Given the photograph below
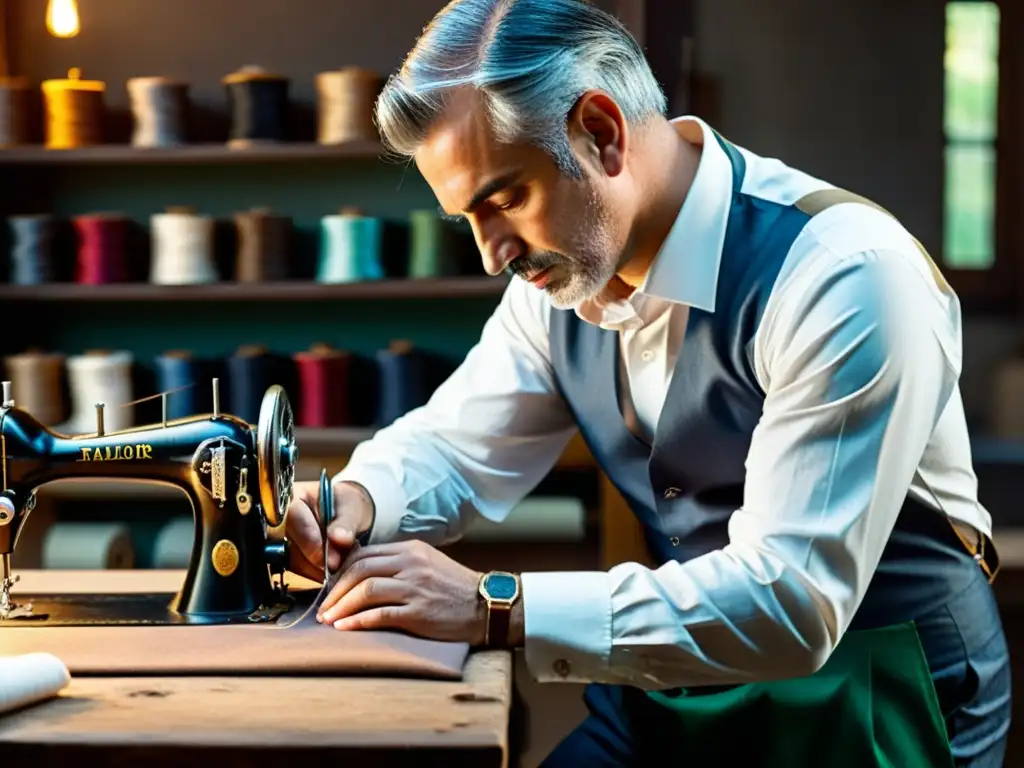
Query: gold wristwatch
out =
(500, 590)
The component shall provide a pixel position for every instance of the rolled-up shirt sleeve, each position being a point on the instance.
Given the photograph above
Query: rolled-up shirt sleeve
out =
(858, 355)
(485, 438)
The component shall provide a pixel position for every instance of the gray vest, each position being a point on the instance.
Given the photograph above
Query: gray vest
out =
(684, 486)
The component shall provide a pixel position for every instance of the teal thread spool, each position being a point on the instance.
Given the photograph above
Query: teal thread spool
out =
(350, 248)
(433, 248)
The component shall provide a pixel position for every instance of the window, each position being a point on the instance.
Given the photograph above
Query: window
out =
(970, 120)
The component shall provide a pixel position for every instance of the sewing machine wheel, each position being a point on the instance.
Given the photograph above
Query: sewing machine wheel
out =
(276, 454)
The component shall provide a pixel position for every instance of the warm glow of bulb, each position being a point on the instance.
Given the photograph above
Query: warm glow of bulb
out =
(62, 18)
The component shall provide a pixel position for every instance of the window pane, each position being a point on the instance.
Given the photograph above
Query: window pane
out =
(971, 70)
(970, 206)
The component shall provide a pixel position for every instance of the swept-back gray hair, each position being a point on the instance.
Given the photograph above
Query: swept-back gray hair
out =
(530, 59)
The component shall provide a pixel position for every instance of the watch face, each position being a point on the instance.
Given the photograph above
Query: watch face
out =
(500, 587)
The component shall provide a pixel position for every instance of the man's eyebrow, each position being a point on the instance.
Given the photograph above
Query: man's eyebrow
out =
(491, 187)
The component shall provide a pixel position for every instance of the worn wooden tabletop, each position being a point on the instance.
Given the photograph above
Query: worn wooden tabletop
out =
(196, 721)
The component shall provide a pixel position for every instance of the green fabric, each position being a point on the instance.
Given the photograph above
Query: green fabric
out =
(872, 704)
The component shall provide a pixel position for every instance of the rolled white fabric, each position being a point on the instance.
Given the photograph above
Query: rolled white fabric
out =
(173, 546)
(537, 518)
(30, 678)
(88, 546)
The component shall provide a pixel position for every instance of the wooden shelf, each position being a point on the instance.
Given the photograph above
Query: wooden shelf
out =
(331, 446)
(433, 288)
(122, 154)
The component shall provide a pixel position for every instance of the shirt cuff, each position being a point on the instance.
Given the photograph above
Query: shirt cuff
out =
(568, 625)
(388, 498)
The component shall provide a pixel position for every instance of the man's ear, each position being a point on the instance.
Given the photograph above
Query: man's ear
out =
(597, 132)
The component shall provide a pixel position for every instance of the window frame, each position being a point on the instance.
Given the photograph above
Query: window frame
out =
(1000, 288)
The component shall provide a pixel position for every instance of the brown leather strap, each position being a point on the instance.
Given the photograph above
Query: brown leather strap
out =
(978, 546)
(498, 620)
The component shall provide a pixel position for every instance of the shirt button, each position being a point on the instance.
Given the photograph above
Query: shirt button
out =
(647, 355)
(562, 667)
(671, 493)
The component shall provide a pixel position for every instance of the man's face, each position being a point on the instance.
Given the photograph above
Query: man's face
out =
(566, 236)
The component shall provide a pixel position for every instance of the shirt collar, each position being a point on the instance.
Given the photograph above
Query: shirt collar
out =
(685, 270)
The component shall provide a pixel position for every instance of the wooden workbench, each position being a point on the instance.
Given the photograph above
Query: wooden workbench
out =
(254, 721)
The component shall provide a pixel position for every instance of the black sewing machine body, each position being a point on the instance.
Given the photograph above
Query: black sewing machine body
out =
(238, 479)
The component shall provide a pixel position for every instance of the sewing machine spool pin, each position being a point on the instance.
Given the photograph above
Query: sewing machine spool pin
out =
(238, 477)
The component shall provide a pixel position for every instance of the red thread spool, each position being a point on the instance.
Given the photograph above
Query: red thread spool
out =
(101, 248)
(323, 386)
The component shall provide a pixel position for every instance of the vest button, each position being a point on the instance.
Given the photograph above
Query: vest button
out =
(671, 493)
(561, 667)
(674, 541)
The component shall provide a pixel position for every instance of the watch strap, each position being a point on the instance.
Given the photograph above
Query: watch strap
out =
(499, 617)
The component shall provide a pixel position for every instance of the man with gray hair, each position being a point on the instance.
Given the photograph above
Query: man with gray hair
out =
(765, 366)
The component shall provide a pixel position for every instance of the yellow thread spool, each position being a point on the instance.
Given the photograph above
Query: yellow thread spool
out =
(74, 111)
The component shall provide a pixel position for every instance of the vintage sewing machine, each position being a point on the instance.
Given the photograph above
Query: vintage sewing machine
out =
(238, 479)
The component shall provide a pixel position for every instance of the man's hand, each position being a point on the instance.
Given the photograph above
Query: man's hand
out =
(353, 514)
(408, 586)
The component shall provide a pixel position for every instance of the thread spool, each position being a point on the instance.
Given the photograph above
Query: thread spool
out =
(74, 111)
(251, 371)
(101, 255)
(32, 252)
(432, 248)
(183, 248)
(187, 379)
(323, 386)
(99, 377)
(350, 248)
(403, 381)
(259, 107)
(160, 110)
(30, 678)
(263, 239)
(37, 384)
(88, 546)
(14, 111)
(172, 548)
(345, 105)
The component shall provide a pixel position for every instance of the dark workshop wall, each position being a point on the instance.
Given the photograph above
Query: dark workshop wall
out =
(851, 92)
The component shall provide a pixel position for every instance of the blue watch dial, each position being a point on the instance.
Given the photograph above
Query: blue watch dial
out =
(500, 587)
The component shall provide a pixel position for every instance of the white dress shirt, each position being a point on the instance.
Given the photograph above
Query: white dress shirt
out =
(859, 353)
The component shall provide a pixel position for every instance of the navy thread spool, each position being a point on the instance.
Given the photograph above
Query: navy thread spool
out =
(259, 107)
(251, 371)
(32, 255)
(160, 111)
(188, 380)
(404, 381)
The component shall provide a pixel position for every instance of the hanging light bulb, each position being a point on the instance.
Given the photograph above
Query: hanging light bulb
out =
(62, 18)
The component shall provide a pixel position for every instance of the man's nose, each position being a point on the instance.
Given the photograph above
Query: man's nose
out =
(498, 256)
(498, 248)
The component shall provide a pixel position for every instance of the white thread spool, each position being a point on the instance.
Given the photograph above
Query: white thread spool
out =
(182, 248)
(159, 106)
(350, 248)
(99, 377)
(88, 546)
(345, 105)
(173, 545)
(30, 678)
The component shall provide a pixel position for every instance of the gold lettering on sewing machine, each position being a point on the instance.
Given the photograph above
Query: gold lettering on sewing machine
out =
(117, 452)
